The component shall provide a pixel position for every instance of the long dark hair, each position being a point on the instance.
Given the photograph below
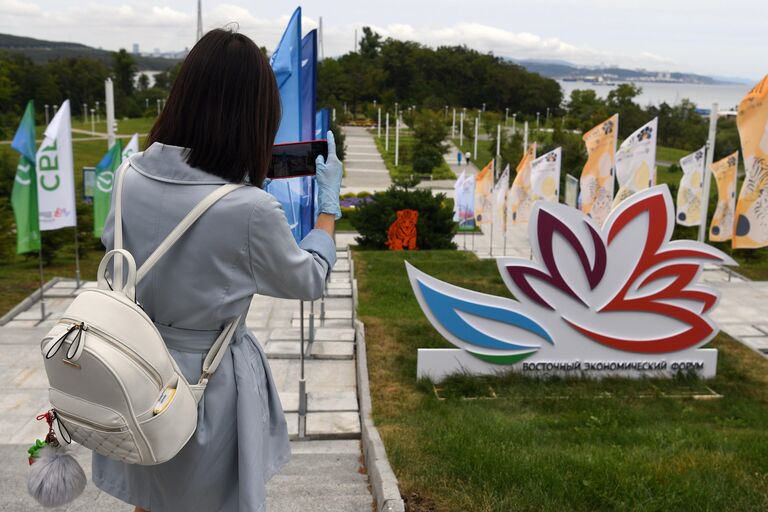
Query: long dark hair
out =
(225, 107)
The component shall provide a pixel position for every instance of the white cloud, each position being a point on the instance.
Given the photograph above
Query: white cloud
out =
(20, 9)
(505, 43)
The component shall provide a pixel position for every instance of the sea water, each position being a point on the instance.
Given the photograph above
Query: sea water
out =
(727, 96)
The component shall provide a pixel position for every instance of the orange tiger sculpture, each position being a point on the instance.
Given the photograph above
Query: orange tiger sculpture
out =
(402, 232)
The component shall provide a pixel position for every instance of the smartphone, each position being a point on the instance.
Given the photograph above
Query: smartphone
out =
(296, 158)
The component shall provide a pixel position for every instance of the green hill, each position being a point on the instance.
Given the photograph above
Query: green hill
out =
(41, 51)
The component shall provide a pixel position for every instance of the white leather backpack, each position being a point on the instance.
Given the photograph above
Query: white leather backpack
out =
(113, 385)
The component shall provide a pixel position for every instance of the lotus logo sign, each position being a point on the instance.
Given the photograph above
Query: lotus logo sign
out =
(618, 300)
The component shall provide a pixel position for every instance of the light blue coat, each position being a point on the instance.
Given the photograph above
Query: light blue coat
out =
(241, 246)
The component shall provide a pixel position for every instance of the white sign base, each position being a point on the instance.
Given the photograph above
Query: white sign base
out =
(439, 363)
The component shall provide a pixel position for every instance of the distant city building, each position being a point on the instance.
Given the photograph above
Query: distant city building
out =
(136, 48)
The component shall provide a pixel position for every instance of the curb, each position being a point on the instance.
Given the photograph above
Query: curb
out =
(28, 301)
(386, 493)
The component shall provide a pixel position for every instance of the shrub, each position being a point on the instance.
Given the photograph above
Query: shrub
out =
(434, 229)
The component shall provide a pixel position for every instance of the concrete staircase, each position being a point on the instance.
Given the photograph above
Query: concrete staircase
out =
(325, 474)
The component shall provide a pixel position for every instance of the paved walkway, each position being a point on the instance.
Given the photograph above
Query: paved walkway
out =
(325, 472)
(363, 165)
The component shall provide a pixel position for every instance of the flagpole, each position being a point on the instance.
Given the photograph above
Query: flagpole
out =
(710, 155)
(77, 261)
(493, 209)
(43, 315)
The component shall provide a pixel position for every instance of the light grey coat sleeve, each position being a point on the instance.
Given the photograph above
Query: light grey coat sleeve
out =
(281, 268)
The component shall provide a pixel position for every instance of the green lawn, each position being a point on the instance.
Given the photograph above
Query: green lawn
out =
(553, 445)
(673, 155)
(404, 158)
(484, 152)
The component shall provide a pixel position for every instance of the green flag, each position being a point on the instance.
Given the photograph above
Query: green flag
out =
(24, 194)
(102, 191)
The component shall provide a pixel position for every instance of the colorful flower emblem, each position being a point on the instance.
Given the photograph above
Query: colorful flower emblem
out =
(626, 287)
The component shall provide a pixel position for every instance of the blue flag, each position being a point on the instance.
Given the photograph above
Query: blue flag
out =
(286, 63)
(308, 85)
(308, 99)
(322, 123)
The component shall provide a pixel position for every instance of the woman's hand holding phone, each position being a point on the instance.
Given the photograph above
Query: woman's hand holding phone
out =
(329, 172)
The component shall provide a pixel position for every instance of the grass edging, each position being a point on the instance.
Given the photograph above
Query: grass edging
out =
(384, 487)
(28, 301)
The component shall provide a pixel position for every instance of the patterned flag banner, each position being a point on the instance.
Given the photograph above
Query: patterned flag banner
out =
(102, 190)
(571, 191)
(545, 176)
(636, 161)
(724, 171)
(520, 200)
(500, 191)
(456, 192)
(465, 201)
(56, 174)
(690, 191)
(24, 193)
(131, 148)
(483, 195)
(596, 181)
(752, 208)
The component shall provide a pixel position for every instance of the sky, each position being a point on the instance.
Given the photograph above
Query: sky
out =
(710, 37)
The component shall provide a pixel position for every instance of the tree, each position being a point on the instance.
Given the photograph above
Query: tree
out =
(143, 82)
(370, 44)
(124, 67)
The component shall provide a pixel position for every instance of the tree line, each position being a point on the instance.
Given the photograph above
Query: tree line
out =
(389, 71)
(79, 79)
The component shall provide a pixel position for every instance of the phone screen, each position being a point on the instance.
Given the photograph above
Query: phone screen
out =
(296, 158)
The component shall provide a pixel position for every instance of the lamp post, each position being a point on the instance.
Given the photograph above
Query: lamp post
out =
(453, 125)
(85, 113)
(506, 116)
(46, 114)
(97, 111)
(378, 123)
(537, 121)
(386, 136)
(397, 141)
(547, 121)
(514, 123)
(477, 126)
(461, 130)
(158, 107)
(93, 122)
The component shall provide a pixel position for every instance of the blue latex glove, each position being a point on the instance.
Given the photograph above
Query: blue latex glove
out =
(329, 180)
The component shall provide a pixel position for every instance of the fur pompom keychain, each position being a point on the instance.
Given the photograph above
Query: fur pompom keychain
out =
(55, 477)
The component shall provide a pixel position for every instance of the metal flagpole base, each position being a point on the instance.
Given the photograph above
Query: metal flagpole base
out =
(302, 408)
(302, 382)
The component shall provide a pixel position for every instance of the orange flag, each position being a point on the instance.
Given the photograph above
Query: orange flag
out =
(520, 197)
(597, 175)
(752, 208)
(721, 228)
